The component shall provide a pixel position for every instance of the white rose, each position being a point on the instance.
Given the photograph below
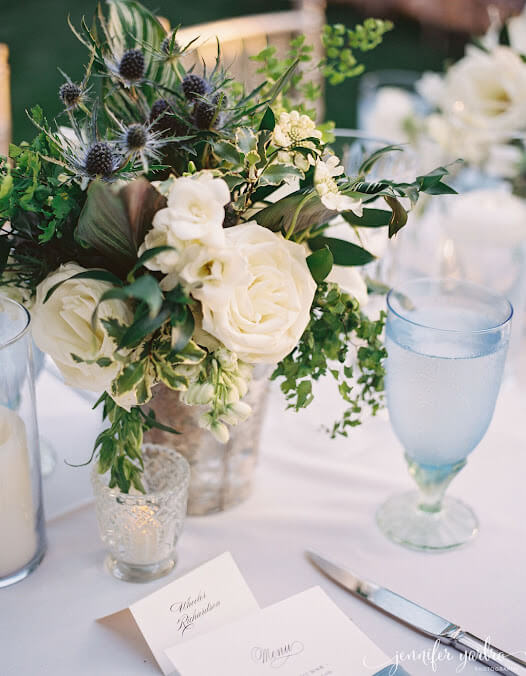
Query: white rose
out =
(62, 326)
(487, 91)
(263, 319)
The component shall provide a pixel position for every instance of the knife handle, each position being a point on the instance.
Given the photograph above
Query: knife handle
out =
(492, 657)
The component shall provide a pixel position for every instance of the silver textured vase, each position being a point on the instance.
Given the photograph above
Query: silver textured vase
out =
(221, 474)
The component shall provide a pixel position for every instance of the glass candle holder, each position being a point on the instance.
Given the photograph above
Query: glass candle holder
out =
(141, 530)
(22, 534)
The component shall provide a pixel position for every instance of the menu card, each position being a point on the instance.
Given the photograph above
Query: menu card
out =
(305, 635)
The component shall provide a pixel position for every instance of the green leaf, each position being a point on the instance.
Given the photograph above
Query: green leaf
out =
(320, 264)
(370, 218)
(275, 174)
(145, 289)
(145, 257)
(227, 152)
(246, 140)
(305, 206)
(268, 120)
(181, 333)
(167, 375)
(98, 275)
(343, 252)
(399, 215)
(115, 223)
(369, 163)
(130, 376)
(143, 327)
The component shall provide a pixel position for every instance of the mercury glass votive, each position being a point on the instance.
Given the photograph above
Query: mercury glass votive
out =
(141, 530)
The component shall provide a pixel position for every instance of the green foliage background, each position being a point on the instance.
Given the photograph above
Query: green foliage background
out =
(40, 40)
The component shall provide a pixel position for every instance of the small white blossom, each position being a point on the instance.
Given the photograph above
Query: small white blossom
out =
(327, 188)
(292, 128)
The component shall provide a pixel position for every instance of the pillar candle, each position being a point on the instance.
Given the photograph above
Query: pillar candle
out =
(18, 539)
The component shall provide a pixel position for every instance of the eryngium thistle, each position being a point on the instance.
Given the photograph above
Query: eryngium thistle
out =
(70, 94)
(167, 43)
(136, 137)
(220, 97)
(194, 86)
(204, 114)
(131, 66)
(100, 160)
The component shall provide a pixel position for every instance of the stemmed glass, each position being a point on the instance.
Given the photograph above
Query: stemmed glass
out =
(446, 341)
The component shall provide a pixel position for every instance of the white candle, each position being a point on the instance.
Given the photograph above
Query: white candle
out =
(18, 539)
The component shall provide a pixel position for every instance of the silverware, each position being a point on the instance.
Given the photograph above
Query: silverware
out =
(422, 620)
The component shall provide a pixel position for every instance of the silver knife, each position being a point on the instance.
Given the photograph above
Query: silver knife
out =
(422, 620)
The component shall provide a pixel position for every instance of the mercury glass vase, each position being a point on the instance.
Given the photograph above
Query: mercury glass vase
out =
(22, 535)
(141, 530)
(221, 474)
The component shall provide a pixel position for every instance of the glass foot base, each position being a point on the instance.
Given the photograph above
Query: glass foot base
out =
(401, 519)
(136, 573)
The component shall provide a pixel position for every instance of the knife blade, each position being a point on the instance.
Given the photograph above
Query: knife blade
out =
(420, 619)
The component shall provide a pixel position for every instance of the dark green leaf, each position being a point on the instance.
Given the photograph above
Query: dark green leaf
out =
(130, 376)
(145, 289)
(5, 248)
(399, 215)
(268, 121)
(143, 327)
(181, 333)
(370, 218)
(343, 252)
(320, 264)
(146, 256)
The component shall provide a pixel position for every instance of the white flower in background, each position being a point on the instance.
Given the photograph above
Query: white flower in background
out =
(431, 87)
(327, 188)
(486, 92)
(62, 326)
(263, 319)
(517, 32)
(392, 114)
(292, 128)
(491, 216)
(350, 280)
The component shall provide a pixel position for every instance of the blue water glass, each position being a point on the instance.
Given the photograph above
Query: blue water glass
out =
(447, 342)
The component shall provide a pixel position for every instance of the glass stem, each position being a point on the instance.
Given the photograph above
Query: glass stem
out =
(432, 482)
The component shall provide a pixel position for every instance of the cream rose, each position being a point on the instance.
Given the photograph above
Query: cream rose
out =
(262, 319)
(486, 91)
(62, 326)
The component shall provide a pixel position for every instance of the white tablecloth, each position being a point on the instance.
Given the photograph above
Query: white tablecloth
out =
(310, 492)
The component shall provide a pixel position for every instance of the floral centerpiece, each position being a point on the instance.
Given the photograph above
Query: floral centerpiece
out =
(170, 229)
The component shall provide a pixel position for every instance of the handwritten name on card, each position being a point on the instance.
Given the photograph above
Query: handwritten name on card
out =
(208, 597)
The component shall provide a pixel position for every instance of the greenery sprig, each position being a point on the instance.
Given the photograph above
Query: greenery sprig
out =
(342, 341)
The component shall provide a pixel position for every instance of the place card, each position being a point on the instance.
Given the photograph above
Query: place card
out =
(305, 635)
(209, 596)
